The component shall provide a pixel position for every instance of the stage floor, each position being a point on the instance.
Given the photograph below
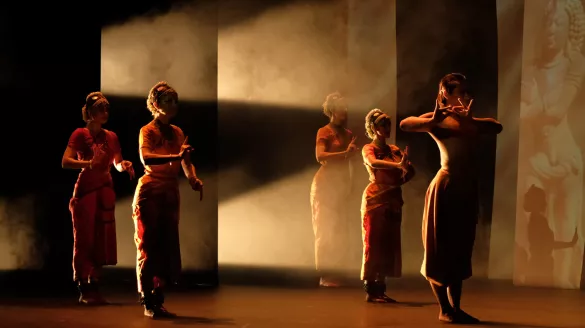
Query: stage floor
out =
(498, 304)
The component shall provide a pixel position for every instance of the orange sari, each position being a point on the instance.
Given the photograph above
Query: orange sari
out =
(156, 209)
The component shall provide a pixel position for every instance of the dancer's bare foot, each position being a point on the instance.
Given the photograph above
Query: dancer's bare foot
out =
(447, 316)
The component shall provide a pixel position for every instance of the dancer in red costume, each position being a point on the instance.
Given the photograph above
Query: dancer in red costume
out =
(451, 203)
(389, 168)
(93, 150)
(330, 189)
(163, 150)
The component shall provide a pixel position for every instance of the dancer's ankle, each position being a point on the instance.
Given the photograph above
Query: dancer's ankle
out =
(447, 310)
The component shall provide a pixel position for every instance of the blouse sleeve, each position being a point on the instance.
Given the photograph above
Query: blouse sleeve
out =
(115, 143)
(323, 136)
(77, 140)
(368, 154)
(146, 139)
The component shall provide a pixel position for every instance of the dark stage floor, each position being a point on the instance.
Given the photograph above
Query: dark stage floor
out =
(499, 304)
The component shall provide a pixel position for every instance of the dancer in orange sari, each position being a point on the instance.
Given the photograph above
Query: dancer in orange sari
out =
(451, 203)
(389, 168)
(330, 189)
(93, 150)
(163, 150)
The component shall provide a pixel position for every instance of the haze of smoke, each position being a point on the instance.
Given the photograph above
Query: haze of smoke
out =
(179, 46)
(371, 61)
(289, 55)
(18, 241)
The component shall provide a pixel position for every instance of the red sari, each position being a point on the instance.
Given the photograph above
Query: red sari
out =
(382, 215)
(329, 193)
(92, 206)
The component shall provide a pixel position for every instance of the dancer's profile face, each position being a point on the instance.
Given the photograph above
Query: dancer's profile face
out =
(340, 116)
(168, 104)
(100, 113)
(384, 128)
(459, 93)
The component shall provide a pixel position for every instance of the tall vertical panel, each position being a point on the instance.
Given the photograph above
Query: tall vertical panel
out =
(435, 38)
(178, 44)
(278, 60)
(549, 215)
(372, 80)
(510, 24)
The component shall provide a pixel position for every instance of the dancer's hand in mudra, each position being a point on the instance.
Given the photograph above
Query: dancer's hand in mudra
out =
(463, 110)
(441, 112)
(404, 163)
(351, 148)
(185, 151)
(99, 159)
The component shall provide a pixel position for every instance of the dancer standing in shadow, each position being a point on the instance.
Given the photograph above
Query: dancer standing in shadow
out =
(541, 239)
(452, 202)
(94, 150)
(330, 189)
(389, 168)
(163, 151)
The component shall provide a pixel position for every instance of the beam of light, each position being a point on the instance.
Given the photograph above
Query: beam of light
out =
(271, 227)
(372, 58)
(287, 56)
(197, 227)
(179, 47)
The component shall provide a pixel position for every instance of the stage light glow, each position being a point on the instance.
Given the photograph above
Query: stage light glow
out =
(179, 46)
(284, 57)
